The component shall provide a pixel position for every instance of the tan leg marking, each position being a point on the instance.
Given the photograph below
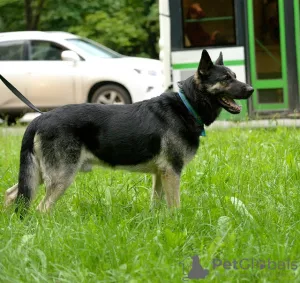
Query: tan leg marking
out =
(11, 195)
(170, 182)
(157, 190)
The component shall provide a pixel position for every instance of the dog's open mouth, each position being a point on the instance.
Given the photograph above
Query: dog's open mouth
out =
(229, 105)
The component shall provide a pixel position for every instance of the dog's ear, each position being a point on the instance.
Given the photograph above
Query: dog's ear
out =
(180, 84)
(220, 60)
(205, 63)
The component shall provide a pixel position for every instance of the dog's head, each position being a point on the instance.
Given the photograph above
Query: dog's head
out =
(220, 83)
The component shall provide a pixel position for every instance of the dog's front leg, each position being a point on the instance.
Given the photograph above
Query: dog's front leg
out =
(170, 182)
(157, 190)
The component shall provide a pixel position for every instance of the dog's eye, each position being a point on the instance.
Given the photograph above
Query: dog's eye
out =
(226, 78)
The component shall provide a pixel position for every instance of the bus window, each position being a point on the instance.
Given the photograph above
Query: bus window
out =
(207, 23)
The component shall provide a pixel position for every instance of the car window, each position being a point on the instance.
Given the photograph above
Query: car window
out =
(45, 50)
(12, 51)
(93, 48)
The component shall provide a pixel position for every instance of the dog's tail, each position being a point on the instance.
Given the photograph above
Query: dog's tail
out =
(29, 169)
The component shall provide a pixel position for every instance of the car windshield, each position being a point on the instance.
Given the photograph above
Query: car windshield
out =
(94, 49)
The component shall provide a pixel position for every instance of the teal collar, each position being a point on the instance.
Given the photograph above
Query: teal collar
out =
(193, 112)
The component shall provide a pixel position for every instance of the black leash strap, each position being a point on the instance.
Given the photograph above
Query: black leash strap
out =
(19, 95)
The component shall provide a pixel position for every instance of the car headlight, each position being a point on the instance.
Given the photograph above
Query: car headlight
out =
(146, 72)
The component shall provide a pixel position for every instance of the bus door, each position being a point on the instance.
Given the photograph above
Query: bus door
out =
(269, 32)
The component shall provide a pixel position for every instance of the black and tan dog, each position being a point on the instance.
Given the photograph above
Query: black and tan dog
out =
(157, 136)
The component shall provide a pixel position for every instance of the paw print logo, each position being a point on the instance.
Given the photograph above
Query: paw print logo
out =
(197, 271)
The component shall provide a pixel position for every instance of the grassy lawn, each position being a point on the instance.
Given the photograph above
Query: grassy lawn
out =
(240, 204)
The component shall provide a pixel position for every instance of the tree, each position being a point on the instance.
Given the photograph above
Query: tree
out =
(127, 26)
(12, 15)
(33, 10)
(131, 28)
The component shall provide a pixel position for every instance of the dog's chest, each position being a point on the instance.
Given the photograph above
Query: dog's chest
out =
(176, 148)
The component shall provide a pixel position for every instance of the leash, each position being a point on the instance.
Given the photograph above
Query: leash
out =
(193, 112)
(19, 94)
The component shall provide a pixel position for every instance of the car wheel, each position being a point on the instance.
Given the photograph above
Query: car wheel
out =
(111, 94)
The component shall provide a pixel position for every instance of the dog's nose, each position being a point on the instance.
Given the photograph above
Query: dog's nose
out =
(249, 90)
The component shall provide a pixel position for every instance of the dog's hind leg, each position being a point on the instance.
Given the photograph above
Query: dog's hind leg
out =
(170, 183)
(61, 159)
(56, 182)
(157, 190)
(11, 195)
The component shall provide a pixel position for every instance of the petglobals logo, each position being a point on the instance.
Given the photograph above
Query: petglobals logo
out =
(192, 268)
(251, 263)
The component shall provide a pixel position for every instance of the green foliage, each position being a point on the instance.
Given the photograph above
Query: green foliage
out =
(120, 32)
(12, 15)
(240, 200)
(130, 27)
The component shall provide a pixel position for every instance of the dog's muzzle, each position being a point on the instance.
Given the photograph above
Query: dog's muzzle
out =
(228, 103)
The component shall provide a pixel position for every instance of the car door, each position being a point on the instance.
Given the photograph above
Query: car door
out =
(51, 80)
(13, 67)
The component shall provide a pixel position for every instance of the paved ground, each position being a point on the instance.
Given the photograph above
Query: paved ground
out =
(258, 123)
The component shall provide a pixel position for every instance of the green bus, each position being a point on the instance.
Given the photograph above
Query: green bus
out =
(260, 41)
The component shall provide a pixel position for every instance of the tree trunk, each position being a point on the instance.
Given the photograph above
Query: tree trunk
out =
(38, 12)
(28, 14)
(33, 17)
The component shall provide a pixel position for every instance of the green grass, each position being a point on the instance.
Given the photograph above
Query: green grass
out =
(102, 230)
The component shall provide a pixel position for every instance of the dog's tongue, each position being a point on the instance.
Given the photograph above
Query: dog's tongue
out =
(230, 105)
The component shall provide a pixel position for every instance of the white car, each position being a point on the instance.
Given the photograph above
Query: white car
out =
(57, 68)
